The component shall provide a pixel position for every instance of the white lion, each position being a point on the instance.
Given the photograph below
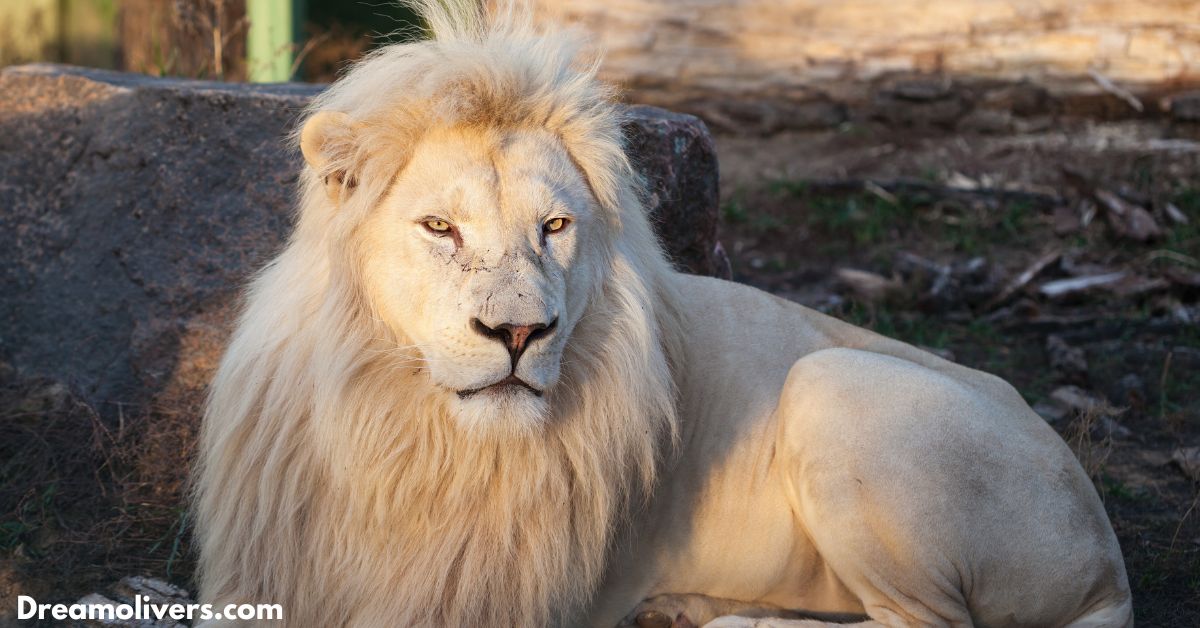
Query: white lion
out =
(471, 391)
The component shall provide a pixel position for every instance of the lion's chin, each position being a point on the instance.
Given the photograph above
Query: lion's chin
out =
(504, 409)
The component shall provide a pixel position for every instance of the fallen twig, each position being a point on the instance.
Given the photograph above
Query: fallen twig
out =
(1175, 214)
(1064, 287)
(1107, 85)
(874, 188)
(1023, 278)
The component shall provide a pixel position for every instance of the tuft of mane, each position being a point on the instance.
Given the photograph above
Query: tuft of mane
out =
(482, 69)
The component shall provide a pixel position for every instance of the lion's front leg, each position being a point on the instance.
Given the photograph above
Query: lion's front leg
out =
(737, 621)
(685, 610)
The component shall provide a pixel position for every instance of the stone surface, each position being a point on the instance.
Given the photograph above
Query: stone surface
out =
(134, 208)
(678, 157)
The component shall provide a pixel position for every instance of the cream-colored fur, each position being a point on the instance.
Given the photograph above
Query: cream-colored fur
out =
(381, 449)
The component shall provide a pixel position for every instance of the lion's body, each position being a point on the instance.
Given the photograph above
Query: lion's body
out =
(472, 392)
(853, 473)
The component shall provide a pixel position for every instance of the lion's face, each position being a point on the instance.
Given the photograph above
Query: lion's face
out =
(483, 254)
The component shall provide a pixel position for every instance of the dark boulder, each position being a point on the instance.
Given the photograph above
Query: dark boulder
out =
(133, 209)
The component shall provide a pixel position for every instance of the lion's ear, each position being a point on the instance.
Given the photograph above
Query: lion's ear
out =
(327, 142)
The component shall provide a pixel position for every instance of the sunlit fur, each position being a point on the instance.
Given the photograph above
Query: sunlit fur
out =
(348, 473)
(333, 478)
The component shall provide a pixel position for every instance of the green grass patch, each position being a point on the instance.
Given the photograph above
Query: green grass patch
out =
(734, 212)
(1185, 239)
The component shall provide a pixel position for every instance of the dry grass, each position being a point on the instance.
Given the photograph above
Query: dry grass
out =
(1091, 440)
(84, 501)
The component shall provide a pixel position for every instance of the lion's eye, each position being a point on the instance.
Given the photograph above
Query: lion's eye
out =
(554, 225)
(437, 226)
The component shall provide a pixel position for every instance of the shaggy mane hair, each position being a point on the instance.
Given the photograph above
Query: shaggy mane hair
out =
(331, 478)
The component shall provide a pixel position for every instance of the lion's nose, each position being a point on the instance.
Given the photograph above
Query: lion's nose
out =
(515, 337)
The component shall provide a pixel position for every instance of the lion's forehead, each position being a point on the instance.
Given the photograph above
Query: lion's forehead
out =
(459, 177)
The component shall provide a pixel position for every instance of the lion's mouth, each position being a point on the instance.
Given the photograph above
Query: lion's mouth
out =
(510, 381)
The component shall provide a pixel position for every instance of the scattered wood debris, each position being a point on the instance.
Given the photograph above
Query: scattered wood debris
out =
(961, 181)
(1175, 214)
(1127, 219)
(869, 286)
(1087, 212)
(883, 194)
(1024, 277)
(1109, 86)
(1062, 288)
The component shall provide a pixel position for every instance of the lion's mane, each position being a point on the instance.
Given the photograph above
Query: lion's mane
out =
(331, 479)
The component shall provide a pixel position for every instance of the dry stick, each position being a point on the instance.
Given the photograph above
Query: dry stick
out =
(875, 189)
(1107, 85)
(308, 47)
(1061, 287)
(1023, 279)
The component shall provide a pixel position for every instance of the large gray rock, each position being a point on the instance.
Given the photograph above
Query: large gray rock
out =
(133, 208)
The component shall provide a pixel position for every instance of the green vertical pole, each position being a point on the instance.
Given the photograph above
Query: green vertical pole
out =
(269, 42)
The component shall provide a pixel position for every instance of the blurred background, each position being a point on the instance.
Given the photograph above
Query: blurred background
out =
(1011, 184)
(766, 63)
(231, 40)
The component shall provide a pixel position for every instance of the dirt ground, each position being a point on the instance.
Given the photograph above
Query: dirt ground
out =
(925, 237)
(965, 245)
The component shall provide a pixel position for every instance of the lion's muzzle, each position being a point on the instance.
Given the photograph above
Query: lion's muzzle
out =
(515, 337)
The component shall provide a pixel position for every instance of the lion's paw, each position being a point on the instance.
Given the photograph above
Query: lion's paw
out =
(674, 610)
(737, 621)
(690, 610)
